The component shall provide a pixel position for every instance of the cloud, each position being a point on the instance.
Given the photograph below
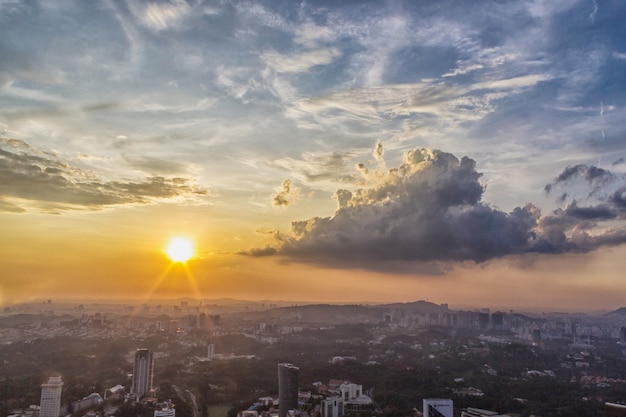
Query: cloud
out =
(594, 11)
(156, 165)
(596, 178)
(282, 199)
(300, 62)
(10, 207)
(41, 177)
(311, 35)
(429, 209)
(160, 16)
(254, 14)
(319, 167)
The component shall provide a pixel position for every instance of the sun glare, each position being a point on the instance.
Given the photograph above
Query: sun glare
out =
(180, 249)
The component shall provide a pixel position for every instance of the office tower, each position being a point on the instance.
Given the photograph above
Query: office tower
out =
(143, 371)
(210, 351)
(51, 397)
(435, 407)
(287, 388)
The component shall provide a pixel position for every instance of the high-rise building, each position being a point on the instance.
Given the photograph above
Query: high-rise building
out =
(143, 372)
(287, 388)
(210, 351)
(51, 397)
(350, 391)
(436, 407)
(332, 407)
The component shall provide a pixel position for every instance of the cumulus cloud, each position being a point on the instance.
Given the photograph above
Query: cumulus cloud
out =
(42, 177)
(283, 198)
(430, 209)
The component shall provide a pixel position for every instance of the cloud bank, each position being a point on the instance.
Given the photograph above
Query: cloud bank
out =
(41, 177)
(429, 209)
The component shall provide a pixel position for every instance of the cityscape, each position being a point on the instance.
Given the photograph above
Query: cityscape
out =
(312, 208)
(231, 358)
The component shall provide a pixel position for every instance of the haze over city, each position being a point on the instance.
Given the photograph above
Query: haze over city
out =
(314, 151)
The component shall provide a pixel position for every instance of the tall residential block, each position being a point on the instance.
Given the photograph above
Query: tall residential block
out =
(287, 388)
(143, 372)
(51, 397)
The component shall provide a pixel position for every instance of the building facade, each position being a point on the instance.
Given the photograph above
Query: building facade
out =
(287, 388)
(210, 351)
(436, 407)
(332, 407)
(50, 403)
(614, 410)
(143, 373)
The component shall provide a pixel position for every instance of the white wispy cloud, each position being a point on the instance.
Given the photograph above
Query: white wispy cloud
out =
(312, 35)
(300, 62)
(255, 14)
(160, 16)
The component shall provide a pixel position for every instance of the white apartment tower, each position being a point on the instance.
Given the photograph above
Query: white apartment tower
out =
(436, 407)
(51, 397)
(350, 391)
(332, 407)
(143, 372)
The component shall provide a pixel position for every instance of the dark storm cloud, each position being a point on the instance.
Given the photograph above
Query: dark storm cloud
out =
(28, 174)
(429, 209)
(599, 212)
(618, 198)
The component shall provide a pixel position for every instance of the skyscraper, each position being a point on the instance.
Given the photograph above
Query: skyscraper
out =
(143, 372)
(287, 388)
(51, 397)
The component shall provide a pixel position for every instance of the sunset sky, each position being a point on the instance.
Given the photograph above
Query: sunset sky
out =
(470, 153)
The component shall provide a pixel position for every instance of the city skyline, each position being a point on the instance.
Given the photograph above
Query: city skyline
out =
(353, 152)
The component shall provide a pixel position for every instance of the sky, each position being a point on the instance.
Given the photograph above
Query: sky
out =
(470, 153)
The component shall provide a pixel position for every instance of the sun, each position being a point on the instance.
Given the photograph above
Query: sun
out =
(180, 249)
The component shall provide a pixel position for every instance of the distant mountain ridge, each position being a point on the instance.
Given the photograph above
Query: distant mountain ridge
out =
(620, 311)
(334, 313)
(420, 306)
